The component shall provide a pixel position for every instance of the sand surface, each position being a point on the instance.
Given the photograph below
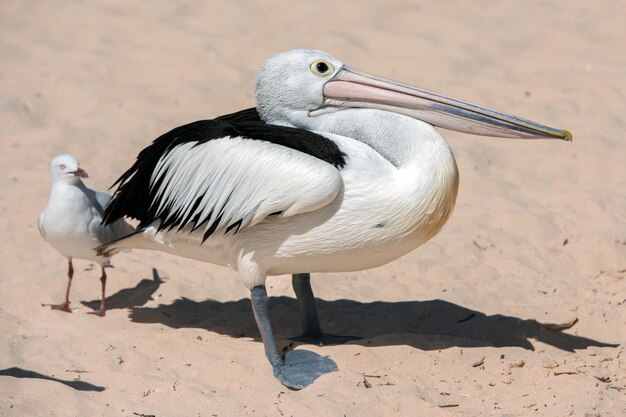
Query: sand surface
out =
(468, 324)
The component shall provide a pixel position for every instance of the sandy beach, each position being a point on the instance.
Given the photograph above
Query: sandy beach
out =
(517, 307)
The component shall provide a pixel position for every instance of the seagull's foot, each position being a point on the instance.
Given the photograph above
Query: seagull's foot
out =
(101, 312)
(302, 367)
(61, 307)
(324, 339)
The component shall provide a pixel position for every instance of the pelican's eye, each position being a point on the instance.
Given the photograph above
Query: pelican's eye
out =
(62, 167)
(322, 68)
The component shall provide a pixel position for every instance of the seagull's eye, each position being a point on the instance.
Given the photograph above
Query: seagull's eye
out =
(62, 167)
(322, 68)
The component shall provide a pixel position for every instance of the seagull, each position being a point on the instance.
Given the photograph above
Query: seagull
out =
(72, 222)
(334, 170)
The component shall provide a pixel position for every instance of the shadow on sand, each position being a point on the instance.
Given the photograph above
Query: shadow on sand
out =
(131, 297)
(126, 298)
(23, 373)
(426, 325)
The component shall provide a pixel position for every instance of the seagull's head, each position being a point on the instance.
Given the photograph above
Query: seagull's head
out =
(66, 168)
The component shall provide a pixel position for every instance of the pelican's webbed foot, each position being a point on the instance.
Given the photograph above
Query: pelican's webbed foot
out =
(301, 368)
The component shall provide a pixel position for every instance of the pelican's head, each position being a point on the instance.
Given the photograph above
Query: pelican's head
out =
(306, 83)
(290, 85)
(66, 168)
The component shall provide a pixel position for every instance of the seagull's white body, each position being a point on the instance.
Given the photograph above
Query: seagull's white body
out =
(364, 179)
(71, 222)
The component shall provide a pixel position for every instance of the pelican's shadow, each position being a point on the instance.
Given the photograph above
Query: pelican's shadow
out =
(426, 325)
(131, 297)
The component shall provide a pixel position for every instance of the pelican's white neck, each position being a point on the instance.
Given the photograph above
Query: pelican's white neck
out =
(400, 139)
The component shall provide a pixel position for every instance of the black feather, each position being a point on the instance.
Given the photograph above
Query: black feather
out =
(135, 197)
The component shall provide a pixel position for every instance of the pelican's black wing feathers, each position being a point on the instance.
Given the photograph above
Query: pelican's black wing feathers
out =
(138, 197)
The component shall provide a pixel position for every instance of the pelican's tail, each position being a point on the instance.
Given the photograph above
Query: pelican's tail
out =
(141, 238)
(135, 240)
(109, 249)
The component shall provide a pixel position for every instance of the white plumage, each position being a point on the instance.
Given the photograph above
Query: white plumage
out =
(241, 180)
(72, 221)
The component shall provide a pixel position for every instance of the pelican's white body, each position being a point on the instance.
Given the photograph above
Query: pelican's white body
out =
(375, 209)
(297, 213)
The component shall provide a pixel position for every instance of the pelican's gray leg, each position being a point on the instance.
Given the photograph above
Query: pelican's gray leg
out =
(300, 367)
(311, 329)
(308, 310)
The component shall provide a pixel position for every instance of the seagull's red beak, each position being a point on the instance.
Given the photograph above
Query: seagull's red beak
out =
(80, 173)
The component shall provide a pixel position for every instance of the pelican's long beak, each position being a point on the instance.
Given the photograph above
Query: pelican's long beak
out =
(350, 89)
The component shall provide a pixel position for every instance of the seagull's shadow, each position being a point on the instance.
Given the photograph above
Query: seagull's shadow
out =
(131, 297)
(426, 325)
(23, 373)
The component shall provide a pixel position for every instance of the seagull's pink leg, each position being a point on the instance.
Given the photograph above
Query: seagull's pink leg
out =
(65, 306)
(102, 310)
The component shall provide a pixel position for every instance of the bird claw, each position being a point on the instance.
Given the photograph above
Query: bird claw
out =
(99, 312)
(61, 307)
(302, 367)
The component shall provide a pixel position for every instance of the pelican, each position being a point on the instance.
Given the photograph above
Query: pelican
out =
(335, 170)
